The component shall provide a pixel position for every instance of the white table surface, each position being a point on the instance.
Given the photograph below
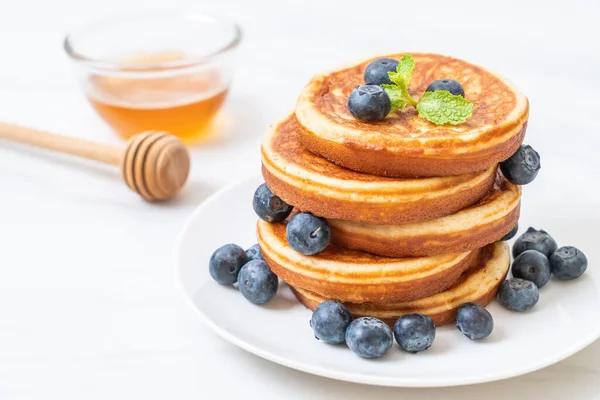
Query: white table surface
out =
(88, 304)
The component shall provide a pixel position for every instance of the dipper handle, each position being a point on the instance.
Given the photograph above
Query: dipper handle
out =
(154, 164)
(78, 147)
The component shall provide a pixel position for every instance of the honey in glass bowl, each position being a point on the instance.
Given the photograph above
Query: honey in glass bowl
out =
(136, 85)
(183, 105)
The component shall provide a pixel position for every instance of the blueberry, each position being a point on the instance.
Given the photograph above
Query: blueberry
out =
(568, 263)
(257, 282)
(518, 294)
(254, 253)
(522, 167)
(329, 322)
(449, 85)
(414, 332)
(533, 266)
(474, 321)
(511, 234)
(225, 263)
(376, 72)
(533, 239)
(369, 103)
(369, 337)
(268, 206)
(308, 234)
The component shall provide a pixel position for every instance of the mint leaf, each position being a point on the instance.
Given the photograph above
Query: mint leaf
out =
(442, 107)
(396, 96)
(404, 72)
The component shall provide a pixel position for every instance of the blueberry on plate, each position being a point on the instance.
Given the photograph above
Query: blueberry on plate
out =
(414, 332)
(268, 206)
(376, 72)
(518, 294)
(257, 282)
(532, 266)
(329, 322)
(511, 234)
(568, 263)
(369, 337)
(533, 239)
(522, 167)
(225, 263)
(474, 321)
(369, 103)
(254, 253)
(308, 234)
(449, 85)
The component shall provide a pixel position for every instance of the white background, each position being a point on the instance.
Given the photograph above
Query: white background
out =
(88, 304)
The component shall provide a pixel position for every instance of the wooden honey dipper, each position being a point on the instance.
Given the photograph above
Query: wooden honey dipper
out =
(154, 164)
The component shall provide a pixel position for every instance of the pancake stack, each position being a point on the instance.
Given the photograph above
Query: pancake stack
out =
(417, 211)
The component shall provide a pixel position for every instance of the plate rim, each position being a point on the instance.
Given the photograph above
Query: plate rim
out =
(333, 374)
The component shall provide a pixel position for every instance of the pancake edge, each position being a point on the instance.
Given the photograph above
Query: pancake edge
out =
(352, 290)
(443, 314)
(488, 229)
(369, 202)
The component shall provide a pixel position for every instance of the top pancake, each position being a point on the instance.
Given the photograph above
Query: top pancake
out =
(403, 144)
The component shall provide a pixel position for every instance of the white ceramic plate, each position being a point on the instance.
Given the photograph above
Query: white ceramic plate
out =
(566, 319)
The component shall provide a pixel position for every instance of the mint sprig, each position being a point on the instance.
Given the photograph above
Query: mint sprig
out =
(404, 71)
(397, 96)
(440, 107)
(398, 90)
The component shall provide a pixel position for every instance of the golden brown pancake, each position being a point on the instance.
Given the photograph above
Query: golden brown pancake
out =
(353, 276)
(314, 184)
(478, 285)
(403, 144)
(471, 228)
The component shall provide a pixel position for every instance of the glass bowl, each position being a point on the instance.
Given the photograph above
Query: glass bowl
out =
(160, 71)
